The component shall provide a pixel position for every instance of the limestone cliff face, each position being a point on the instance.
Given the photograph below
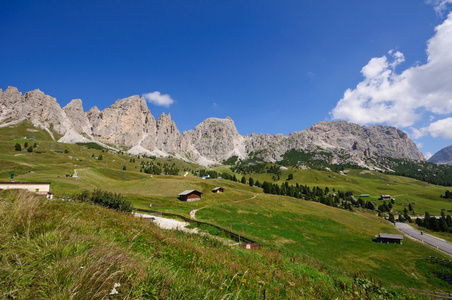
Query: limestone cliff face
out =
(11, 104)
(128, 122)
(74, 111)
(167, 135)
(42, 110)
(124, 123)
(355, 141)
(215, 139)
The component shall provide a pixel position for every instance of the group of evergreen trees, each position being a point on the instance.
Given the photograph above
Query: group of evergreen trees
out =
(447, 195)
(442, 224)
(157, 169)
(424, 171)
(18, 147)
(336, 199)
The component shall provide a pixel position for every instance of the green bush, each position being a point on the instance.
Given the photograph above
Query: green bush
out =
(104, 198)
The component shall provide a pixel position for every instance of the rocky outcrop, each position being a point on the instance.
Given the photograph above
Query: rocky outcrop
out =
(443, 156)
(167, 135)
(129, 123)
(74, 111)
(349, 142)
(41, 109)
(125, 123)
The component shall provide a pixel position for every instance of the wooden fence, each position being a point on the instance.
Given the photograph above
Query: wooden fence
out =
(245, 242)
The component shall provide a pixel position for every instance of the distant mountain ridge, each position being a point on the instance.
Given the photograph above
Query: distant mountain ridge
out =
(129, 123)
(443, 156)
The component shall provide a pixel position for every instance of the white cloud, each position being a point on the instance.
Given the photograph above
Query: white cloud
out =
(428, 155)
(384, 96)
(440, 5)
(441, 128)
(158, 99)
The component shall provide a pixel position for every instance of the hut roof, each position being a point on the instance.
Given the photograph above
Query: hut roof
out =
(188, 192)
(391, 236)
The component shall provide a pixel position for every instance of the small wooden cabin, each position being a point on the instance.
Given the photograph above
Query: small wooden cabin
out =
(218, 190)
(389, 238)
(385, 197)
(190, 195)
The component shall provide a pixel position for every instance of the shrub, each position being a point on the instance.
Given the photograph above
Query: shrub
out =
(104, 198)
(18, 147)
(30, 149)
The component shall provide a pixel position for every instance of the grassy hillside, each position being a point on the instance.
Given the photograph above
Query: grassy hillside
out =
(338, 238)
(423, 196)
(305, 236)
(69, 250)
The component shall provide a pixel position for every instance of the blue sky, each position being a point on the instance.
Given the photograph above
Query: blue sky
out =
(272, 66)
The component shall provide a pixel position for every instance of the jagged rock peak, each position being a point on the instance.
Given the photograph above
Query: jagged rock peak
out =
(80, 120)
(74, 104)
(123, 123)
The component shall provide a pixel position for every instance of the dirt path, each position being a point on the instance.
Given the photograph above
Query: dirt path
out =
(167, 223)
(193, 212)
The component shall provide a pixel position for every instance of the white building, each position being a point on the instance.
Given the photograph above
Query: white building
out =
(41, 188)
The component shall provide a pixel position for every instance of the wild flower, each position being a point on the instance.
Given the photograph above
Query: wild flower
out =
(114, 291)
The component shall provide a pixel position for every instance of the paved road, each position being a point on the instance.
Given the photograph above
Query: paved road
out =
(426, 238)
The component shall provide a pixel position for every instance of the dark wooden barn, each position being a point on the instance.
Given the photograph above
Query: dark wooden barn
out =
(218, 190)
(389, 238)
(190, 195)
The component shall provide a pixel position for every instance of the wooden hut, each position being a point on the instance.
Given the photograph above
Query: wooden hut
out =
(389, 238)
(190, 195)
(218, 190)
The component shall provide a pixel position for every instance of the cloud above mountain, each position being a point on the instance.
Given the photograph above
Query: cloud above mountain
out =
(405, 98)
(158, 99)
(440, 6)
(442, 128)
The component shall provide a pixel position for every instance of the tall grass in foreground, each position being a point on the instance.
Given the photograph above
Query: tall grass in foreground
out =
(73, 250)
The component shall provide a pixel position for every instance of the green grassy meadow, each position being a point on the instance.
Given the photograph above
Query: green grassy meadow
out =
(329, 239)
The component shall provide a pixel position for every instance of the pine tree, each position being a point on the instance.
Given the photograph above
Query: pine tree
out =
(243, 180)
(30, 149)
(391, 217)
(251, 181)
(18, 147)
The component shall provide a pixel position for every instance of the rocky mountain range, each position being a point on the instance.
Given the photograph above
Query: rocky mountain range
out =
(128, 123)
(443, 156)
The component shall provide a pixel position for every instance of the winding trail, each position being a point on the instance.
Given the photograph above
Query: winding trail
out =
(193, 212)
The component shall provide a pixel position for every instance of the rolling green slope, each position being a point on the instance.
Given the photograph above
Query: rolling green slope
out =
(335, 239)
